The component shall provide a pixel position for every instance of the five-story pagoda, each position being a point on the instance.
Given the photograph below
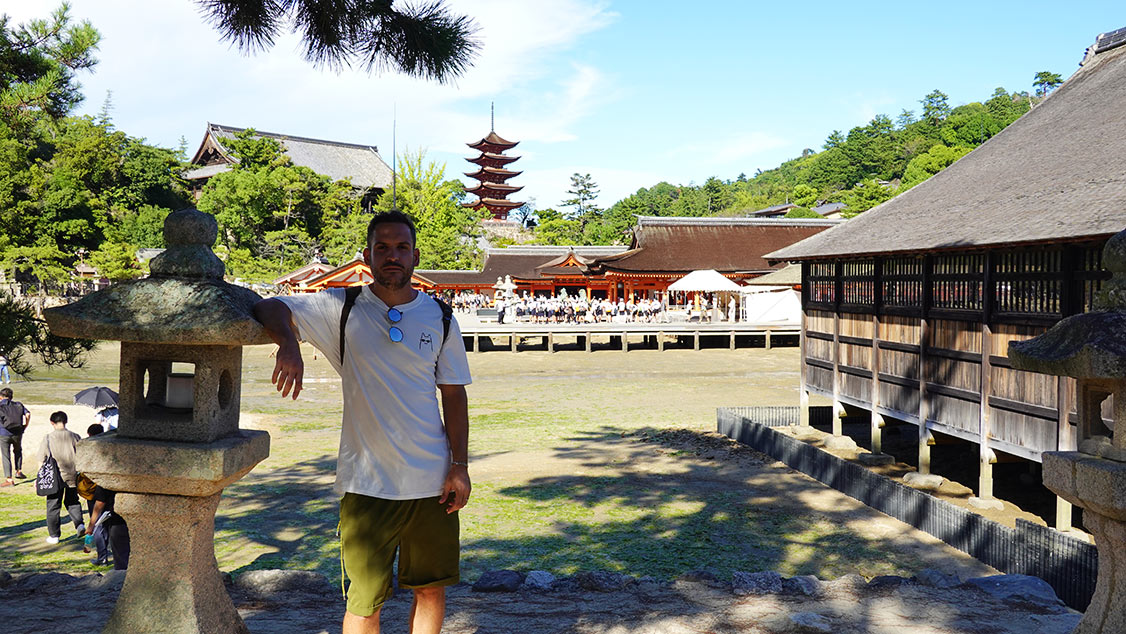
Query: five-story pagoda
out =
(491, 174)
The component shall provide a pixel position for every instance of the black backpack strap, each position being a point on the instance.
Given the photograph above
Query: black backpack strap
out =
(447, 316)
(350, 295)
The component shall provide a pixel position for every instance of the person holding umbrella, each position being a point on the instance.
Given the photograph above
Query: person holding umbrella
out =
(102, 399)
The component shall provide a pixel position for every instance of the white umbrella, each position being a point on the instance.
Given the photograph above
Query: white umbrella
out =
(704, 281)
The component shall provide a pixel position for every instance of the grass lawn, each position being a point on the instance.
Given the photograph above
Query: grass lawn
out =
(570, 471)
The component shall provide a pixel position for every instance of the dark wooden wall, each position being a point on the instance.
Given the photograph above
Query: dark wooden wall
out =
(926, 336)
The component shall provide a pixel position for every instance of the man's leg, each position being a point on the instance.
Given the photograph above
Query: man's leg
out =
(54, 503)
(5, 444)
(17, 453)
(356, 624)
(73, 506)
(428, 609)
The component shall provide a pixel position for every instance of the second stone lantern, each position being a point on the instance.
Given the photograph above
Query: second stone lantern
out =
(178, 442)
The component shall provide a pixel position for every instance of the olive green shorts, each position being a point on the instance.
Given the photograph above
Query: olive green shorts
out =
(372, 529)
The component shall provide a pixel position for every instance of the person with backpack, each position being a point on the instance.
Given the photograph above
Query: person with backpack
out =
(62, 445)
(14, 419)
(403, 465)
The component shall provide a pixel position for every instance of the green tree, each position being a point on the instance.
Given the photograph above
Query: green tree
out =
(23, 335)
(447, 231)
(424, 40)
(583, 192)
(835, 139)
(930, 163)
(804, 195)
(906, 117)
(1046, 82)
(116, 261)
(936, 107)
(38, 62)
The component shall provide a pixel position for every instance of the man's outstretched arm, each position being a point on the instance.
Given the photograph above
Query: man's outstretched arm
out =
(289, 368)
(455, 410)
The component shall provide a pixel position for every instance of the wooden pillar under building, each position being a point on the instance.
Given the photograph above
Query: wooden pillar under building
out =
(838, 407)
(551, 342)
(803, 390)
(625, 341)
(732, 346)
(926, 438)
(513, 342)
(877, 419)
(1065, 441)
(987, 457)
(586, 338)
(661, 341)
(696, 340)
(766, 339)
(476, 343)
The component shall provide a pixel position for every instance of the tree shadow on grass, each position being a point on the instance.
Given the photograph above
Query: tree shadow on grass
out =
(713, 513)
(290, 513)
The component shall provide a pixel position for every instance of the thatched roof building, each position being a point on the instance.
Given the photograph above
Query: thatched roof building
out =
(910, 306)
(361, 164)
(1055, 175)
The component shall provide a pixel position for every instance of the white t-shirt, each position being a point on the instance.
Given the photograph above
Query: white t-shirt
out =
(393, 443)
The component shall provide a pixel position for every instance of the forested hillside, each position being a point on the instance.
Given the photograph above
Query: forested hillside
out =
(863, 168)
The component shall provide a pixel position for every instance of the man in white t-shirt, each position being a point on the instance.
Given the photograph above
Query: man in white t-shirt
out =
(402, 470)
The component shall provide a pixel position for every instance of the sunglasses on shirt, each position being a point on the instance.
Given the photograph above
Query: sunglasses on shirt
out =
(394, 315)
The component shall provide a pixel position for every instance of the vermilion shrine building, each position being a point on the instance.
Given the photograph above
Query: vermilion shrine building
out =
(662, 251)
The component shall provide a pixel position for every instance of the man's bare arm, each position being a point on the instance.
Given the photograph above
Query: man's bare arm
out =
(289, 368)
(455, 410)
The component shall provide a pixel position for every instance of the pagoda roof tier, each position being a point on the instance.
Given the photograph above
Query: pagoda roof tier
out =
(492, 159)
(491, 203)
(493, 143)
(494, 190)
(492, 174)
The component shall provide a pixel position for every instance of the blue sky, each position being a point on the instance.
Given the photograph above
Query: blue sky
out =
(632, 93)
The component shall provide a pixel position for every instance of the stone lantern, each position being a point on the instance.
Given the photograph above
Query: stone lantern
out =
(1091, 347)
(178, 443)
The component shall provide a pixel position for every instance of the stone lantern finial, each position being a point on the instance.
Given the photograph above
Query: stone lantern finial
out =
(188, 236)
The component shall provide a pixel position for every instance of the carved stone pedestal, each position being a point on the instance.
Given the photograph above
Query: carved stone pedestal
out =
(168, 492)
(1098, 485)
(173, 585)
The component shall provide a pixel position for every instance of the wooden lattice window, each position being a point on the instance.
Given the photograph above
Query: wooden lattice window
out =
(1028, 282)
(903, 282)
(957, 282)
(822, 283)
(1091, 274)
(858, 283)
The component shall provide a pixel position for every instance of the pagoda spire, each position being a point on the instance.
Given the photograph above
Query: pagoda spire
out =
(491, 173)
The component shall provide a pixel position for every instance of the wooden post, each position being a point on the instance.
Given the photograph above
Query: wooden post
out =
(766, 339)
(877, 420)
(696, 344)
(732, 346)
(513, 342)
(1065, 441)
(476, 343)
(838, 408)
(985, 473)
(926, 439)
(625, 341)
(588, 344)
(803, 390)
(661, 341)
(551, 342)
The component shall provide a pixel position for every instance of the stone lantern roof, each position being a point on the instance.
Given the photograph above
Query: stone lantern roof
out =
(183, 301)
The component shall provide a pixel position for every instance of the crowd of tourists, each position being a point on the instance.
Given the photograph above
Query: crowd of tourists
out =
(97, 525)
(575, 309)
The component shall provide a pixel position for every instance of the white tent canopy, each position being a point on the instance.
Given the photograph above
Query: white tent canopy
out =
(704, 281)
(783, 307)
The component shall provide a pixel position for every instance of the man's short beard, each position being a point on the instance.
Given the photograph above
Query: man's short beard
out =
(391, 283)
